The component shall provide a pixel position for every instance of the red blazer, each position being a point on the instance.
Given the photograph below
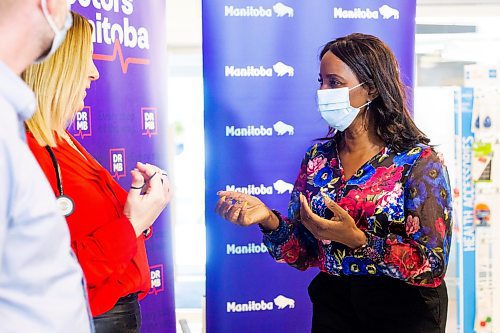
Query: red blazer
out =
(113, 260)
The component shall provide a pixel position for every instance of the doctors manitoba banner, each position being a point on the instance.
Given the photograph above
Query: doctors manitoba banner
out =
(124, 120)
(260, 73)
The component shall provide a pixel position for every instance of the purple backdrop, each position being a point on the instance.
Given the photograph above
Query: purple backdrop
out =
(261, 67)
(124, 120)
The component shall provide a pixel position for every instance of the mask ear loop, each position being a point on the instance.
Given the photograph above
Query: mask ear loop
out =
(358, 85)
(49, 18)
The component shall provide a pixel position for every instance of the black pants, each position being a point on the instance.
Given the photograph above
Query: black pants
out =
(124, 317)
(376, 304)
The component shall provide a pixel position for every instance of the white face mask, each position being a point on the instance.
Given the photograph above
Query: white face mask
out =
(59, 34)
(335, 107)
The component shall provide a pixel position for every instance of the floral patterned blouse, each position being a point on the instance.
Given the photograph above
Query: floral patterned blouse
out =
(401, 200)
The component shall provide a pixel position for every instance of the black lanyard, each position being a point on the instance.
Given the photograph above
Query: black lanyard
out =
(65, 203)
(57, 170)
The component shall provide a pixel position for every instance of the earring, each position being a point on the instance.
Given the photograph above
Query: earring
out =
(365, 116)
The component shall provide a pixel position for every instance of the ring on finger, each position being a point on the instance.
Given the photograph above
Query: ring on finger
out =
(137, 187)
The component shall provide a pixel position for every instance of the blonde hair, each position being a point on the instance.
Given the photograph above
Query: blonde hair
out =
(58, 83)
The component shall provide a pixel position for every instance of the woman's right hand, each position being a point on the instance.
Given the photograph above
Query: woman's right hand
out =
(149, 194)
(245, 210)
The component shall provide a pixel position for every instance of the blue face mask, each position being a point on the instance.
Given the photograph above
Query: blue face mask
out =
(336, 109)
(59, 36)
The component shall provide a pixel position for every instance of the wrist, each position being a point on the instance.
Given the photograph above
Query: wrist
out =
(271, 223)
(138, 229)
(358, 240)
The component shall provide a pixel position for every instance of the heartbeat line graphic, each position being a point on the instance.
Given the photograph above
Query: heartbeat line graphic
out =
(117, 51)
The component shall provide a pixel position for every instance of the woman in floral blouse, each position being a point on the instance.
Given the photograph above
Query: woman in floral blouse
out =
(371, 206)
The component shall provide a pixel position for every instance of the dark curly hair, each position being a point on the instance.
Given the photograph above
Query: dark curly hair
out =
(373, 63)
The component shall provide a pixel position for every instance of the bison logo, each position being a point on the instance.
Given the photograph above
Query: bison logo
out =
(282, 10)
(282, 128)
(388, 12)
(281, 69)
(283, 302)
(281, 186)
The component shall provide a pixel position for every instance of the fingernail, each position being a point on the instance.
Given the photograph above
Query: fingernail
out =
(244, 204)
(223, 198)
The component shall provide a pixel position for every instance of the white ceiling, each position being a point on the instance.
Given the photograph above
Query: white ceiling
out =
(482, 46)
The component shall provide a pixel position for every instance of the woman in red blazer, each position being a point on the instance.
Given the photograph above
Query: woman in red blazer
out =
(108, 226)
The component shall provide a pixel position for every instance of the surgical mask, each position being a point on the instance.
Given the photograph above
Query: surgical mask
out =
(60, 35)
(335, 107)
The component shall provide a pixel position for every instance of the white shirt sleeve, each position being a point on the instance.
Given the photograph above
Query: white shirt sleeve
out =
(41, 284)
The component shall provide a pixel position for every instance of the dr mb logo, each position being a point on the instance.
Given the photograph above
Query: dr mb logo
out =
(117, 162)
(149, 121)
(157, 285)
(82, 124)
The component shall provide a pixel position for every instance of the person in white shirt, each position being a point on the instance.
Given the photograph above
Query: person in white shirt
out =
(41, 284)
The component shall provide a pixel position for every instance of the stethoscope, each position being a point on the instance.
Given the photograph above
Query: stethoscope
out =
(66, 204)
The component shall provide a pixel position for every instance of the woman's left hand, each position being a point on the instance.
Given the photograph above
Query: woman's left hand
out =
(341, 228)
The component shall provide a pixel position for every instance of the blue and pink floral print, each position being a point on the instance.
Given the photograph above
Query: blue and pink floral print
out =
(401, 200)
